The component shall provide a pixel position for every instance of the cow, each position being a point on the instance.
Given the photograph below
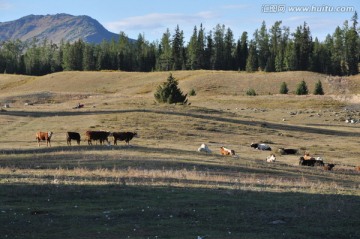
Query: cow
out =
(284, 151)
(97, 135)
(204, 148)
(310, 162)
(357, 168)
(123, 136)
(72, 136)
(226, 151)
(260, 146)
(271, 158)
(329, 166)
(44, 136)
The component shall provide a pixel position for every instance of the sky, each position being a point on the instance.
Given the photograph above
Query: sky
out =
(152, 17)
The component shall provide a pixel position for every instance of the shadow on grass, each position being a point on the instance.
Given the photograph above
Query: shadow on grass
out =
(165, 159)
(206, 116)
(115, 211)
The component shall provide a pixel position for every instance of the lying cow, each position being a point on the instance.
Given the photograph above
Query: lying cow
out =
(72, 136)
(102, 136)
(271, 158)
(123, 136)
(329, 166)
(284, 151)
(204, 148)
(260, 146)
(310, 162)
(226, 151)
(44, 136)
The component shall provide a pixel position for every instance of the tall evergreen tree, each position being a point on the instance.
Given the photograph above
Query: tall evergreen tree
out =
(200, 48)
(262, 41)
(352, 47)
(219, 47)
(178, 49)
(165, 60)
(228, 50)
(209, 52)
(192, 59)
(251, 62)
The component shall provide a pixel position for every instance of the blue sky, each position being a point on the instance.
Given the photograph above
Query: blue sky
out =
(153, 17)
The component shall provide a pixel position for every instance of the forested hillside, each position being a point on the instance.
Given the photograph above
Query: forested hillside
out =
(271, 49)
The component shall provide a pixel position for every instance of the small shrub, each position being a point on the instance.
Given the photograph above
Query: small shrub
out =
(283, 88)
(251, 92)
(302, 88)
(192, 92)
(318, 89)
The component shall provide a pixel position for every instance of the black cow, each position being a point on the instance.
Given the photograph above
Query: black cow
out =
(310, 162)
(123, 136)
(284, 151)
(72, 136)
(97, 135)
(260, 146)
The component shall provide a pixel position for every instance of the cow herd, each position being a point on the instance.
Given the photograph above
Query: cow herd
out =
(305, 160)
(90, 136)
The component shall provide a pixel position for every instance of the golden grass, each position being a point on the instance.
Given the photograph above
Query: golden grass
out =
(220, 114)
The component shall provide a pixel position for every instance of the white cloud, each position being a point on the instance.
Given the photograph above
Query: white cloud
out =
(4, 5)
(155, 21)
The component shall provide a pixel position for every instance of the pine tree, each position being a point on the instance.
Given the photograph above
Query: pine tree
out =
(178, 49)
(251, 62)
(283, 88)
(352, 47)
(302, 88)
(262, 42)
(192, 59)
(318, 89)
(169, 92)
(219, 47)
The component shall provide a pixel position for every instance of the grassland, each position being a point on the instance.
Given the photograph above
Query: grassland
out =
(160, 186)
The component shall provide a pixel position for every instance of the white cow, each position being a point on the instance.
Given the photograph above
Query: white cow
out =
(271, 158)
(204, 148)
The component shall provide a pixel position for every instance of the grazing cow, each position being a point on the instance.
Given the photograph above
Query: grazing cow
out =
(329, 166)
(271, 158)
(226, 151)
(97, 135)
(123, 136)
(44, 136)
(204, 148)
(260, 146)
(310, 162)
(284, 151)
(72, 136)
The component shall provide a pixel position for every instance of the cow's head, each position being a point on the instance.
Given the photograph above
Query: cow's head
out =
(50, 134)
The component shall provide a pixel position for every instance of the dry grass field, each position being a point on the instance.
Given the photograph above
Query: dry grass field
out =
(160, 186)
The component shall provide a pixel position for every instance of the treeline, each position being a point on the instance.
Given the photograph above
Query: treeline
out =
(273, 49)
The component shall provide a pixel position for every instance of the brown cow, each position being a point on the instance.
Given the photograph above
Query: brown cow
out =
(123, 136)
(226, 151)
(97, 135)
(44, 136)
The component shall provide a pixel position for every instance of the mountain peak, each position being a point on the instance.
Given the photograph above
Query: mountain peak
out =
(55, 28)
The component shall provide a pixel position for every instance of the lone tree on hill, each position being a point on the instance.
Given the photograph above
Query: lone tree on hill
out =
(318, 89)
(302, 88)
(169, 92)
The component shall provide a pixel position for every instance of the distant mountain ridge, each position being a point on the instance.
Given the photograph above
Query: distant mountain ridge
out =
(55, 28)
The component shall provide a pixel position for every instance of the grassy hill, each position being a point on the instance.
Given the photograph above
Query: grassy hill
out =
(160, 186)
